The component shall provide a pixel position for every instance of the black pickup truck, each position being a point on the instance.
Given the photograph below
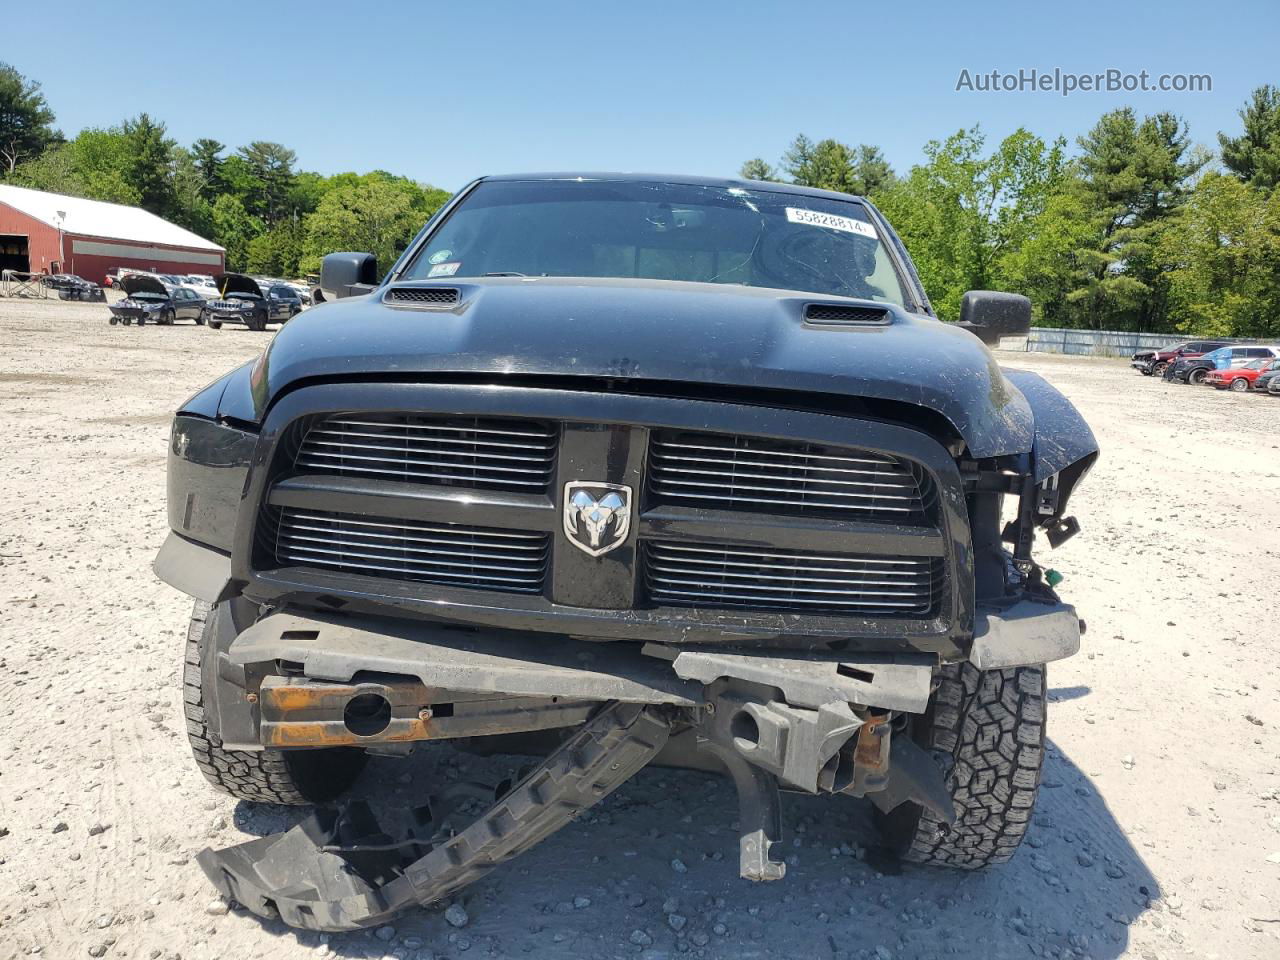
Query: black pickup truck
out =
(612, 469)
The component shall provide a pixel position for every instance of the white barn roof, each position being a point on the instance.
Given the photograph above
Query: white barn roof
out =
(94, 218)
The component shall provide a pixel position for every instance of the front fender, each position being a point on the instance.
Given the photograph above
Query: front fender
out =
(1062, 443)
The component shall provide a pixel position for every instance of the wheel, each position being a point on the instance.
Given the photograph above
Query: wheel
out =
(167, 318)
(113, 321)
(992, 724)
(257, 324)
(1145, 371)
(215, 324)
(293, 777)
(139, 320)
(1158, 369)
(1239, 385)
(1197, 376)
(200, 319)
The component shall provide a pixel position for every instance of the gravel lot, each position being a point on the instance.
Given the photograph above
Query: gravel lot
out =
(1157, 833)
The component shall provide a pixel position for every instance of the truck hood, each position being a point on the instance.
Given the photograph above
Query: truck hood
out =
(689, 333)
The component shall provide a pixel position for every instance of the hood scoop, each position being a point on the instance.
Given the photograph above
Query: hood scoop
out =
(843, 314)
(422, 297)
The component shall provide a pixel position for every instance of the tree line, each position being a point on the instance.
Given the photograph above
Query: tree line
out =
(1137, 228)
(271, 217)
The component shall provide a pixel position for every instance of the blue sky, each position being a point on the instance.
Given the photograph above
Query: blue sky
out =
(443, 92)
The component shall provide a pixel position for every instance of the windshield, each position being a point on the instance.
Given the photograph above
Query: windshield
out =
(662, 231)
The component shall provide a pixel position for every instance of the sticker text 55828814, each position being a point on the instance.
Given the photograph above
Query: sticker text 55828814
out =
(816, 218)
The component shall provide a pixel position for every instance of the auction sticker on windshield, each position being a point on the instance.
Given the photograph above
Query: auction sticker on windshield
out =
(816, 218)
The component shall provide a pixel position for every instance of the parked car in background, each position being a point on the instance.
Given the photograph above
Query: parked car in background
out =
(1153, 362)
(1273, 387)
(241, 300)
(71, 287)
(149, 300)
(284, 293)
(203, 285)
(1268, 376)
(1240, 379)
(1196, 369)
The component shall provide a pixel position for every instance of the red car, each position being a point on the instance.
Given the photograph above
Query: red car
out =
(1240, 379)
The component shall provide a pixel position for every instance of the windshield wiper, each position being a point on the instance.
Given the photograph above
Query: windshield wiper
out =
(504, 273)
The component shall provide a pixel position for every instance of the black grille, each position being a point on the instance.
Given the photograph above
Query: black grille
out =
(699, 575)
(448, 554)
(436, 296)
(773, 476)
(481, 452)
(836, 313)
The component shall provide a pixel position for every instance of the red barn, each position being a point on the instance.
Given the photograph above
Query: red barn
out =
(51, 233)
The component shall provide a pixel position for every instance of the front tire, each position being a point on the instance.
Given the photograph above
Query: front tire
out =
(215, 324)
(1197, 376)
(1159, 369)
(992, 724)
(291, 777)
(1239, 385)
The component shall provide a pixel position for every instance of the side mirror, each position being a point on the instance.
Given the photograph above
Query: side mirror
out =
(989, 315)
(348, 274)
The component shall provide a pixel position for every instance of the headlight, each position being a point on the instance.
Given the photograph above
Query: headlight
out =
(208, 465)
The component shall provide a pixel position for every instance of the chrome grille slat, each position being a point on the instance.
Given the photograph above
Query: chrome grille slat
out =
(447, 554)
(774, 502)
(756, 465)
(421, 526)
(344, 439)
(714, 575)
(479, 452)
(773, 453)
(759, 489)
(781, 476)
(424, 462)
(775, 555)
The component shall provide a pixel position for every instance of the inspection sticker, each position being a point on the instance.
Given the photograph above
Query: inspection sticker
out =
(444, 269)
(815, 218)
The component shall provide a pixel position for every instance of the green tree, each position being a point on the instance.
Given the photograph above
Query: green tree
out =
(278, 250)
(757, 169)
(150, 170)
(963, 213)
(25, 120)
(1254, 156)
(191, 208)
(234, 228)
(1134, 175)
(871, 171)
(271, 165)
(206, 155)
(376, 212)
(1223, 250)
(832, 165)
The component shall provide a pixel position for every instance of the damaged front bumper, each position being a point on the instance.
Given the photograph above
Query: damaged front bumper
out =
(810, 722)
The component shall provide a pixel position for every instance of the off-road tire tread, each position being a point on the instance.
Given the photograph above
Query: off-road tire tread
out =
(260, 776)
(992, 723)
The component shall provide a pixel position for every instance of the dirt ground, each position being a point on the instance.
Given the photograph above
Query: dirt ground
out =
(1158, 829)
